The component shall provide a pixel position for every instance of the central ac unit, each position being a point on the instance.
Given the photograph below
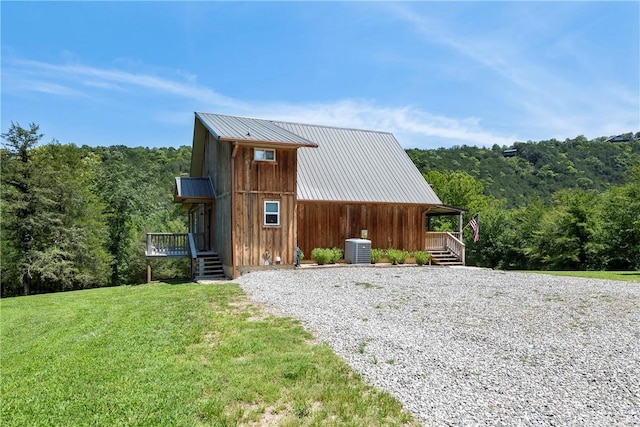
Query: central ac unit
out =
(357, 251)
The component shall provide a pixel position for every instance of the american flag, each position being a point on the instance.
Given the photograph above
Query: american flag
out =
(476, 228)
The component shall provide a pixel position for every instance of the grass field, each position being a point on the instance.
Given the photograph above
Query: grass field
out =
(181, 355)
(628, 276)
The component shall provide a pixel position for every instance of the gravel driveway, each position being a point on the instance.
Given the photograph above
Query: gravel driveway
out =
(468, 346)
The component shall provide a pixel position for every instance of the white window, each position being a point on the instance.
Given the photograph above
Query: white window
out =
(264, 154)
(271, 212)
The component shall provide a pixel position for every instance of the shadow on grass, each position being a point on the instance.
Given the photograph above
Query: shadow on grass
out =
(177, 281)
(630, 273)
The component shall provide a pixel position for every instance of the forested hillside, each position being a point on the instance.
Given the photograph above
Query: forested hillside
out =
(538, 169)
(571, 205)
(76, 217)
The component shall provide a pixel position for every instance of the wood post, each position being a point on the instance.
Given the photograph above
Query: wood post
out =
(148, 270)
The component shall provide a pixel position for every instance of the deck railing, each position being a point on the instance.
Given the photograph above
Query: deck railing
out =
(171, 245)
(443, 241)
(456, 246)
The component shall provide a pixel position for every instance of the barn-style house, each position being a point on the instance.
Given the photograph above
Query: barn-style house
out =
(259, 189)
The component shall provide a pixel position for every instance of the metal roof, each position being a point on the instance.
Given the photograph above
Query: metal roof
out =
(244, 129)
(193, 188)
(353, 165)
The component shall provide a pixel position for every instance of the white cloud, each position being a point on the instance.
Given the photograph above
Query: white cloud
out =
(413, 127)
(47, 87)
(83, 75)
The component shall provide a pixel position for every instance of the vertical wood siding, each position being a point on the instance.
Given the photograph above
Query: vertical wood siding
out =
(326, 225)
(218, 168)
(255, 182)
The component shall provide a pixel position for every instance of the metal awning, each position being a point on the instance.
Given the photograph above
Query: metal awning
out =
(193, 190)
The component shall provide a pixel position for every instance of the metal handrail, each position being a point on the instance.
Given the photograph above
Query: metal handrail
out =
(192, 247)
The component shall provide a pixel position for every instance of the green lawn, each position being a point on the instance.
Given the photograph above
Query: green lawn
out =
(181, 355)
(629, 276)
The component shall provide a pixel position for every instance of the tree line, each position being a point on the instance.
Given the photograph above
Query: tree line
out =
(76, 217)
(572, 205)
(538, 169)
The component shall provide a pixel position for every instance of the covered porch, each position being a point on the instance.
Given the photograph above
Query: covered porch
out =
(197, 197)
(445, 247)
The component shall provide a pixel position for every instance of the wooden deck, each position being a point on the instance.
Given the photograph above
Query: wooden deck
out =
(179, 245)
(205, 264)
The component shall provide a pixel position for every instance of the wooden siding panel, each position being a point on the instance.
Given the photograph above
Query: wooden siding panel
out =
(222, 233)
(217, 166)
(255, 182)
(265, 176)
(329, 224)
(253, 239)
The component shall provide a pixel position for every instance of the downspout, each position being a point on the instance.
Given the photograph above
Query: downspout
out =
(233, 204)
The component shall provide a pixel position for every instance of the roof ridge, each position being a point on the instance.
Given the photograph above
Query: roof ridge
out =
(275, 122)
(331, 127)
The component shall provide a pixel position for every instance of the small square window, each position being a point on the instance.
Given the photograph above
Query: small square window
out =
(271, 213)
(264, 154)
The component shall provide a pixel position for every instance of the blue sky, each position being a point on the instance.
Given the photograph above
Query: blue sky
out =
(436, 74)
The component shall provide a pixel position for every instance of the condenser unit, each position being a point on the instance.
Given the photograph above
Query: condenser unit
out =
(357, 251)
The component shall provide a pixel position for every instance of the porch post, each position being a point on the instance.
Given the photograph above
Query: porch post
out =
(148, 270)
(460, 226)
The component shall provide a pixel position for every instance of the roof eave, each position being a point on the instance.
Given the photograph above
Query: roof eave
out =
(441, 210)
(368, 202)
(258, 142)
(192, 200)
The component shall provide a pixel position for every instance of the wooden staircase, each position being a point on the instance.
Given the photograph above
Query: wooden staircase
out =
(445, 258)
(209, 267)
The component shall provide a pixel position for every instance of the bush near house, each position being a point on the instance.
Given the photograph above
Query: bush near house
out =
(421, 257)
(336, 255)
(397, 256)
(376, 255)
(321, 255)
(327, 255)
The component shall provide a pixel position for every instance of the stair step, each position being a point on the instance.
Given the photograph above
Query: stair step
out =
(209, 267)
(444, 258)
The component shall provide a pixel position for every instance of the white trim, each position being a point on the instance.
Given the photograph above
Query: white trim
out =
(263, 154)
(271, 214)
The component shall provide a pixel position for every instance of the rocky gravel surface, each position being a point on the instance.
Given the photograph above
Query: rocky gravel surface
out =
(468, 346)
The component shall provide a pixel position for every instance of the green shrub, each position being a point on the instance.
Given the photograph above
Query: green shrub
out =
(422, 257)
(321, 255)
(397, 256)
(376, 254)
(336, 255)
